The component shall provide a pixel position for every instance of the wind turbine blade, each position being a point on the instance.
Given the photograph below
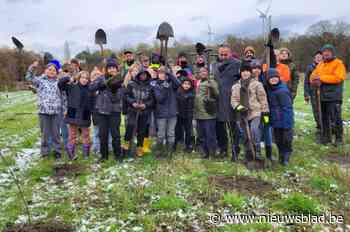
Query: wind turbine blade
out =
(261, 14)
(268, 8)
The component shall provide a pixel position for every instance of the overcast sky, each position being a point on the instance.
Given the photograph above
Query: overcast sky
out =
(44, 25)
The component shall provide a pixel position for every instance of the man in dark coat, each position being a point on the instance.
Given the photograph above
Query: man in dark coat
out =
(226, 73)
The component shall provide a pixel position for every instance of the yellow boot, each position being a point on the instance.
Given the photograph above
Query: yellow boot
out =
(146, 145)
(140, 151)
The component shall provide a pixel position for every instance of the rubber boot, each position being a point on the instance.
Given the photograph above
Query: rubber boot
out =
(268, 150)
(86, 151)
(285, 158)
(339, 135)
(248, 155)
(146, 145)
(235, 153)
(71, 151)
(258, 152)
(140, 152)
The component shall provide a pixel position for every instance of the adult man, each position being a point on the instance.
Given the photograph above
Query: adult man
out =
(310, 92)
(285, 57)
(128, 61)
(329, 76)
(226, 73)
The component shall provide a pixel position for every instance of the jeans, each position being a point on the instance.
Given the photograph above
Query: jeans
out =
(266, 134)
(223, 137)
(49, 127)
(208, 134)
(254, 127)
(166, 130)
(142, 128)
(184, 131)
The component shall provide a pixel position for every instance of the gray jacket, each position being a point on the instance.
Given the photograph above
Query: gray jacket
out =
(108, 100)
(226, 74)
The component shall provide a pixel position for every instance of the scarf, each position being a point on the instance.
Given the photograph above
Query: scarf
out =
(244, 92)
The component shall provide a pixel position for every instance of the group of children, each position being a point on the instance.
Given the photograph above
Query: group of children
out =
(174, 104)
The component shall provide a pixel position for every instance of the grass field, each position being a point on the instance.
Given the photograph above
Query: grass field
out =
(181, 194)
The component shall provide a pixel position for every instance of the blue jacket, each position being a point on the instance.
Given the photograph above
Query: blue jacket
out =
(281, 107)
(165, 94)
(307, 88)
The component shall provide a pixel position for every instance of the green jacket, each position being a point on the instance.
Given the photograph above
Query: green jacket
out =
(200, 111)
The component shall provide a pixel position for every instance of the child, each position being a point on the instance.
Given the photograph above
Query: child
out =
(249, 99)
(139, 97)
(109, 107)
(282, 116)
(205, 110)
(49, 104)
(165, 89)
(266, 130)
(78, 112)
(185, 104)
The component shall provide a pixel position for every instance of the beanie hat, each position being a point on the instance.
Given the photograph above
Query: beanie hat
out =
(272, 72)
(245, 66)
(182, 72)
(256, 64)
(249, 48)
(54, 63)
(286, 50)
(111, 63)
(328, 47)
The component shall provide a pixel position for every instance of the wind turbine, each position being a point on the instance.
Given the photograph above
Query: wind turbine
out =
(266, 19)
(210, 33)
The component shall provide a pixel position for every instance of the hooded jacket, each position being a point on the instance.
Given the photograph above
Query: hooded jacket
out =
(165, 95)
(332, 75)
(185, 102)
(139, 91)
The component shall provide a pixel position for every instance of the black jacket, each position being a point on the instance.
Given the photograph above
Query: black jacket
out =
(79, 102)
(185, 102)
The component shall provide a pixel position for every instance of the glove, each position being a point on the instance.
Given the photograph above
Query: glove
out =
(265, 118)
(241, 108)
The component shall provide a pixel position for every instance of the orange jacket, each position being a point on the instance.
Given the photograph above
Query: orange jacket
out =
(283, 70)
(333, 72)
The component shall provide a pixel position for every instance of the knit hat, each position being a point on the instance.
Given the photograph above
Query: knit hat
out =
(55, 63)
(182, 72)
(328, 47)
(245, 66)
(256, 64)
(249, 48)
(286, 50)
(272, 72)
(182, 54)
(111, 63)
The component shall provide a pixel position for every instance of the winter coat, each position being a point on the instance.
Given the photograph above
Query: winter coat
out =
(281, 107)
(294, 77)
(332, 75)
(49, 95)
(109, 97)
(256, 95)
(308, 89)
(226, 74)
(139, 91)
(185, 102)
(165, 95)
(79, 103)
(200, 111)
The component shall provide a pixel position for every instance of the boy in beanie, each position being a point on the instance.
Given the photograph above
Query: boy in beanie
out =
(281, 115)
(140, 100)
(165, 89)
(249, 99)
(49, 105)
(329, 77)
(266, 131)
(109, 107)
(78, 112)
(185, 103)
